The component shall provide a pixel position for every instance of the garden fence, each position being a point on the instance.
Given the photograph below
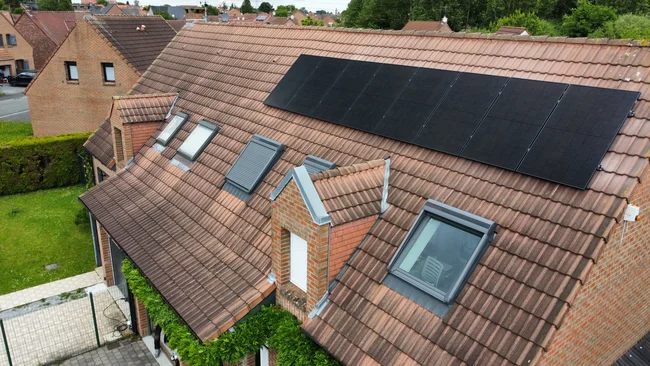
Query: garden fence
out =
(54, 329)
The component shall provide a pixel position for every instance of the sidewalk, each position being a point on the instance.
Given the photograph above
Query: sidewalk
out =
(124, 353)
(36, 293)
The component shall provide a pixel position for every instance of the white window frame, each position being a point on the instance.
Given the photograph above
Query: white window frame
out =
(202, 134)
(172, 128)
(299, 255)
(264, 356)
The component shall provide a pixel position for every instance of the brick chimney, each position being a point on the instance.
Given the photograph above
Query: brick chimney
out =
(318, 220)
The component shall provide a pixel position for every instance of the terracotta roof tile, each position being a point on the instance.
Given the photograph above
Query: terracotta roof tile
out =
(56, 24)
(100, 144)
(144, 107)
(183, 231)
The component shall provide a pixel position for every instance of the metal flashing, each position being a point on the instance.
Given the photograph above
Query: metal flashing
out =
(314, 164)
(384, 193)
(308, 192)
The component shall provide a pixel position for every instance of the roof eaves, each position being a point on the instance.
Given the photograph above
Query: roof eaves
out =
(309, 194)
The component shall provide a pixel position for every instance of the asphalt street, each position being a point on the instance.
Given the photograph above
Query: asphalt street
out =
(13, 106)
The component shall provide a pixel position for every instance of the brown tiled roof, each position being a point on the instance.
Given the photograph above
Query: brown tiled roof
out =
(144, 107)
(56, 24)
(353, 192)
(511, 30)
(428, 25)
(277, 20)
(100, 144)
(207, 251)
(178, 24)
(139, 48)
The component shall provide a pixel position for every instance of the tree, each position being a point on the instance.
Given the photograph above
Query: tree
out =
(265, 7)
(232, 6)
(102, 2)
(321, 12)
(55, 5)
(212, 10)
(224, 6)
(383, 14)
(246, 7)
(146, 8)
(165, 15)
(351, 14)
(18, 10)
(625, 26)
(586, 19)
(314, 22)
(534, 24)
(283, 11)
(627, 6)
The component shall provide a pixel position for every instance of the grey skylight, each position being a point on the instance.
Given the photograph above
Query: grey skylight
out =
(198, 140)
(441, 250)
(314, 164)
(172, 128)
(252, 165)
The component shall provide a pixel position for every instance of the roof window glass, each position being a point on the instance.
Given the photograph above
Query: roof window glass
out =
(442, 249)
(172, 128)
(198, 140)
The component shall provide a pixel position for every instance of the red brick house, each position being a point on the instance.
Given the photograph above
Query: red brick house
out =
(103, 56)
(20, 51)
(44, 31)
(233, 200)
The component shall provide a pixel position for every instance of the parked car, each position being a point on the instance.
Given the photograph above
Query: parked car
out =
(22, 79)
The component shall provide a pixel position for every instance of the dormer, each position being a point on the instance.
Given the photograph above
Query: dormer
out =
(318, 221)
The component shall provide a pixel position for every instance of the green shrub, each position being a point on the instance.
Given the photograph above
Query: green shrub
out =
(271, 326)
(586, 18)
(40, 163)
(626, 26)
(533, 24)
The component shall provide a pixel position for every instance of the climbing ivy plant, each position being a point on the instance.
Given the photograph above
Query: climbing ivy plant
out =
(271, 326)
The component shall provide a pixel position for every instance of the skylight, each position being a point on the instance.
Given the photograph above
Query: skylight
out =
(172, 128)
(441, 250)
(250, 168)
(198, 140)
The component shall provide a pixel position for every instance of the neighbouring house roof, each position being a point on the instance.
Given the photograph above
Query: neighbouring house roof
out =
(432, 25)
(638, 355)
(7, 15)
(139, 48)
(277, 20)
(176, 24)
(208, 253)
(56, 24)
(144, 107)
(100, 144)
(512, 30)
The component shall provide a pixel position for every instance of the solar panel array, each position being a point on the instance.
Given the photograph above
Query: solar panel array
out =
(557, 132)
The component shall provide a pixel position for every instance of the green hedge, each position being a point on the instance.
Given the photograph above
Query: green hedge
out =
(40, 163)
(271, 326)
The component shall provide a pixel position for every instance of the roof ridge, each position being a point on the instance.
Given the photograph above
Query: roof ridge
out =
(428, 33)
(347, 170)
(143, 96)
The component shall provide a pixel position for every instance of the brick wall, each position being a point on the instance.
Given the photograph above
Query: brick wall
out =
(106, 255)
(344, 239)
(141, 318)
(22, 50)
(140, 133)
(612, 310)
(60, 106)
(42, 45)
(290, 215)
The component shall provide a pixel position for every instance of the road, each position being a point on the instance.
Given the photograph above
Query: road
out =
(14, 107)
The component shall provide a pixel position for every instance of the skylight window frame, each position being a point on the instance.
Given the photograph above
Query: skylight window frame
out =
(278, 149)
(165, 142)
(215, 129)
(452, 216)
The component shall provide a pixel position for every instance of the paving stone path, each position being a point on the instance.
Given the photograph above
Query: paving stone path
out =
(124, 353)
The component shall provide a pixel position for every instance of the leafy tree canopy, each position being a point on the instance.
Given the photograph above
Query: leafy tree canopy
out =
(246, 7)
(265, 7)
(55, 5)
(18, 10)
(213, 10)
(586, 19)
(314, 22)
(626, 26)
(102, 2)
(534, 24)
(165, 15)
(284, 10)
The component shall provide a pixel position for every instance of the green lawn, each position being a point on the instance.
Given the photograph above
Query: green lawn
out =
(14, 130)
(37, 229)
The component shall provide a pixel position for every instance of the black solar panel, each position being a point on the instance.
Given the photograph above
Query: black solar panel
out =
(513, 122)
(578, 134)
(292, 81)
(461, 111)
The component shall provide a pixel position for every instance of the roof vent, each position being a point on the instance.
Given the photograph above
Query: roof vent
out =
(315, 164)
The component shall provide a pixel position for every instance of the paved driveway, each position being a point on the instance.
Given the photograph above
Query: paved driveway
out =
(14, 105)
(123, 353)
